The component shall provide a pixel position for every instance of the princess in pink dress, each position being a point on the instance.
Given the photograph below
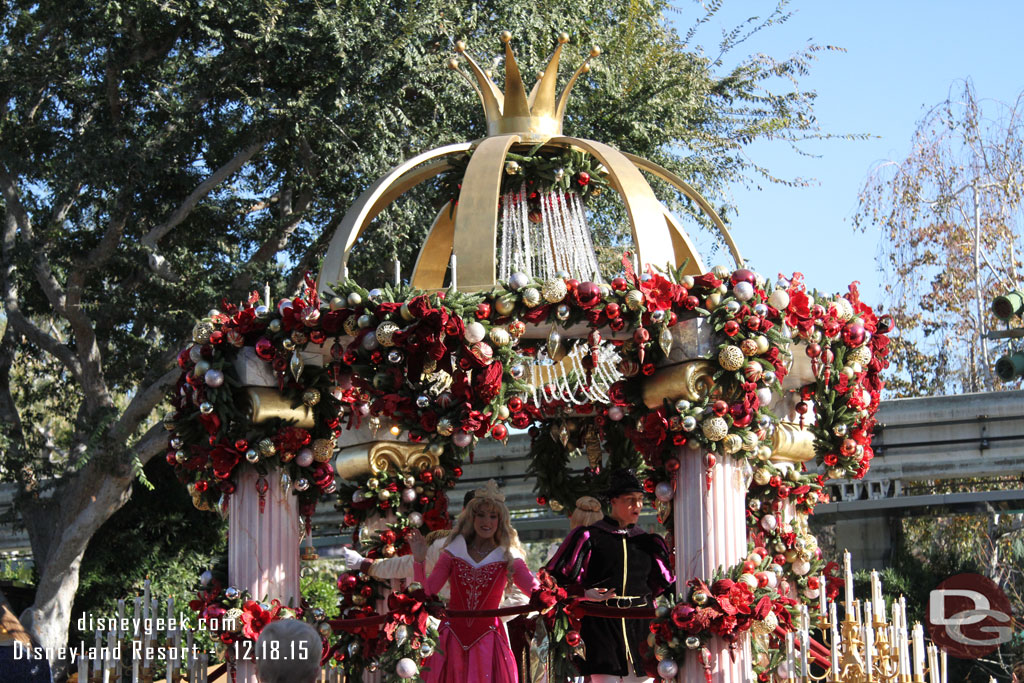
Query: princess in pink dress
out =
(480, 562)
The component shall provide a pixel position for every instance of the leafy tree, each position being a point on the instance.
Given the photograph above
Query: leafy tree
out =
(949, 216)
(160, 155)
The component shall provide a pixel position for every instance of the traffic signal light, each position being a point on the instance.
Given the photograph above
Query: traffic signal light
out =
(1008, 305)
(1010, 366)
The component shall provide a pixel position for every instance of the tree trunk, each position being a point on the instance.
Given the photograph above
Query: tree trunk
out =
(60, 528)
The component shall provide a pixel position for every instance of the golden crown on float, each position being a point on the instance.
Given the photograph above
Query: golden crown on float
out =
(463, 244)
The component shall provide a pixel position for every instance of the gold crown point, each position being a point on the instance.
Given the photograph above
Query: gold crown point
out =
(595, 51)
(540, 75)
(488, 73)
(586, 69)
(506, 36)
(563, 37)
(453, 64)
(460, 46)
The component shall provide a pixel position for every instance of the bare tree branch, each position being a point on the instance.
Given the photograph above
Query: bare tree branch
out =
(276, 243)
(204, 188)
(143, 403)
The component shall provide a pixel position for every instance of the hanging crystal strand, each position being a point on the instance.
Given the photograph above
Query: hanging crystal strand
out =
(568, 251)
(562, 246)
(576, 256)
(550, 268)
(580, 219)
(525, 247)
(506, 235)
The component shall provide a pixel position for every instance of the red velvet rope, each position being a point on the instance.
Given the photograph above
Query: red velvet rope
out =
(589, 610)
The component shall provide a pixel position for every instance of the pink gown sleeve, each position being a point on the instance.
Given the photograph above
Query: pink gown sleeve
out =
(523, 577)
(439, 576)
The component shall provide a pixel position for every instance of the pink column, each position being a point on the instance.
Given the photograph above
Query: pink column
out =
(263, 548)
(710, 532)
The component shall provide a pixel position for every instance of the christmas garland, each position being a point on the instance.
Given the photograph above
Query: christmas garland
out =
(536, 172)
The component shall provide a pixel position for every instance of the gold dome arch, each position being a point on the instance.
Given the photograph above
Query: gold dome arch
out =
(470, 231)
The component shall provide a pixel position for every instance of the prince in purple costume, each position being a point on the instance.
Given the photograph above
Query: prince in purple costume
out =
(633, 566)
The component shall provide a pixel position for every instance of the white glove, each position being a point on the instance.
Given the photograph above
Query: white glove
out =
(351, 557)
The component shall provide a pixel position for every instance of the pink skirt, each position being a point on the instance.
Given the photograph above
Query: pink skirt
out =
(487, 659)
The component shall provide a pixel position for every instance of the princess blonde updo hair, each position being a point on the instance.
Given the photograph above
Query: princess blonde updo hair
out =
(587, 512)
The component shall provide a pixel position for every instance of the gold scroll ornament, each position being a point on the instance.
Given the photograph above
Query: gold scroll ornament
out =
(692, 381)
(384, 456)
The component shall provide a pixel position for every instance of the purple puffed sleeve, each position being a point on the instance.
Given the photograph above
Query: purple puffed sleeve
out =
(662, 574)
(569, 564)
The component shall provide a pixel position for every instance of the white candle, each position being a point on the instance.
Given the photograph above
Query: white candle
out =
(266, 294)
(876, 595)
(869, 638)
(822, 597)
(918, 650)
(933, 664)
(398, 272)
(835, 640)
(857, 612)
(943, 671)
(848, 576)
(454, 284)
(805, 642)
(790, 658)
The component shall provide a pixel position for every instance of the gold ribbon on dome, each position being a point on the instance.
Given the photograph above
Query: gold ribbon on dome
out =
(267, 403)
(792, 443)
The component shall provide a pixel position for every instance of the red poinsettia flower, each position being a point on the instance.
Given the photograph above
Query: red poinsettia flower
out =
(254, 618)
(224, 457)
(659, 292)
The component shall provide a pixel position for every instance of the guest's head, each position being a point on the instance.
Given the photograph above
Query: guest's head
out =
(587, 512)
(288, 651)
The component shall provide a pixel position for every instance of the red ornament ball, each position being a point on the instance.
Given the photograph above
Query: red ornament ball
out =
(619, 284)
(671, 465)
(541, 500)
(743, 275)
(347, 583)
(649, 485)
(426, 476)
(572, 638)
(583, 178)
(720, 407)
(483, 310)
(499, 432)
(731, 328)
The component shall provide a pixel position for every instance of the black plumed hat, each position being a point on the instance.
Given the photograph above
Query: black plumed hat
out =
(622, 481)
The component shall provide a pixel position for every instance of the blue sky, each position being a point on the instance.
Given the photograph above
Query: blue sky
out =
(901, 59)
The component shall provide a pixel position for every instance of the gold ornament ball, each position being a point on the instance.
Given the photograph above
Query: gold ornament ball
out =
(351, 326)
(766, 626)
(700, 598)
(762, 344)
(274, 325)
(322, 449)
(531, 297)
(732, 444)
(634, 299)
(512, 167)
(358, 599)
(266, 447)
(860, 355)
(555, 506)
(311, 397)
(563, 37)
(444, 427)
(731, 358)
(500, 336)
(554, 290)
(337, 303)
(201, 332)
(595, 51)
(460, 46)
(504, 306)
(750, 441)
(506, 36)
(715, 428)
(762, 476)
(385, 333)
(764, 453)
(844, 309)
